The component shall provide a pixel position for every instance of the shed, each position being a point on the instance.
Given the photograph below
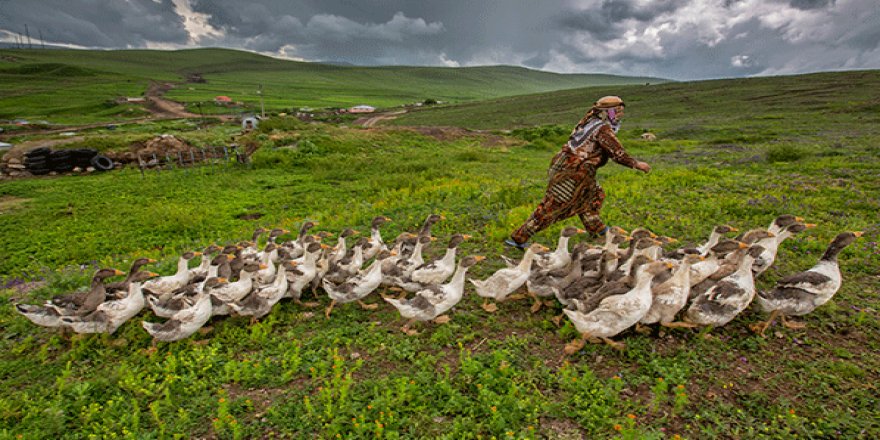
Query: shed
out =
(222, 99)
(249, 123)
(362, 109)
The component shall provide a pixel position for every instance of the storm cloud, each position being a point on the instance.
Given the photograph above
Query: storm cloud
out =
(679, 39)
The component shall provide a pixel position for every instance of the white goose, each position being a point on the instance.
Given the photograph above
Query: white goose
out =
(165, 286)
(505, 281)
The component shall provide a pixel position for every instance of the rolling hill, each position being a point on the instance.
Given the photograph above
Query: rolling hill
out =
(78, 85)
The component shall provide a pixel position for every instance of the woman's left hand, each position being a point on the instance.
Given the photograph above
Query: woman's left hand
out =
(643, 166)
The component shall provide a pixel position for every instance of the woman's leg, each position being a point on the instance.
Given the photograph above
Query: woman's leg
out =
(590, 217)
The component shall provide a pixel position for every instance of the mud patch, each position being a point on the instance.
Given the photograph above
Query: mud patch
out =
(10, 203)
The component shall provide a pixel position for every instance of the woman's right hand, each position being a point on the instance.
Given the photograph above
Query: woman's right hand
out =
(643, 166)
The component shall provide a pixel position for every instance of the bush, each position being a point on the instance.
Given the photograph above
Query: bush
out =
(784, 153)
(285, 123)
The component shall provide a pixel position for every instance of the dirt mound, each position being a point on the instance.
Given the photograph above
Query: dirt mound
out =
(160, 146)
(453, 133)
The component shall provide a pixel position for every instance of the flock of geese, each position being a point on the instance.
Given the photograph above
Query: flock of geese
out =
(629, 281)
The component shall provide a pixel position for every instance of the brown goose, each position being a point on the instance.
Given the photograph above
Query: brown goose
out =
(122, 286)
(372, 248)
(728, 297)
(76, 304)
(801, 293)
(110, 315)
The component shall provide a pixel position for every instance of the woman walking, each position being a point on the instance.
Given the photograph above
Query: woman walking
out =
(573, 189)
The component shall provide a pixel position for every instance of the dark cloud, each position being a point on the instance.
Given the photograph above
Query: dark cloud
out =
(680, 39)
(811, 4)
(104, 23)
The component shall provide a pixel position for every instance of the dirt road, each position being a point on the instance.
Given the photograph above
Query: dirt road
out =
(373, 120)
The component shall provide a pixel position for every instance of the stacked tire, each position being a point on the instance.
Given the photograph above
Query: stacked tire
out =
(43, 160)
(37, 161)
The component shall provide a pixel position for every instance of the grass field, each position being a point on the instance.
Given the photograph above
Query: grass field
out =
(77, 86)
(738, 152)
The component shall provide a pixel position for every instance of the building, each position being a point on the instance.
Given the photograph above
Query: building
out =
(362, 109)
(222, 99)
(249, 123)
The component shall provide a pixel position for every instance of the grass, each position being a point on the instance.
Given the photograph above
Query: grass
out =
(78, 86)
(501, 375)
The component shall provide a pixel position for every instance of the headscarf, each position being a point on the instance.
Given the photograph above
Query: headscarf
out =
(606, 109)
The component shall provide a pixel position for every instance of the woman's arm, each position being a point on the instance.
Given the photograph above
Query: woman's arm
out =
(608, 141)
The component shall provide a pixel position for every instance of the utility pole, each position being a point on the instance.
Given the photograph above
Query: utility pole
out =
(26, 32)
(42, 42)
(262, 109)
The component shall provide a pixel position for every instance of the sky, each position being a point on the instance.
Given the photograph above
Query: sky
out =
(675, 39)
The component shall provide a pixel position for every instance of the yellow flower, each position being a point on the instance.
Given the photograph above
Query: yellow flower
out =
(676, 437)
(369, 406)
(659, 379)
(631, 416)
(616, 378)
(618, 427)
(494, 409)
(510, 433)
(791, 411)
(681, 387)
(221, 400)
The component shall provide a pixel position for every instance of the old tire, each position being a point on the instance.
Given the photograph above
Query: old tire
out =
(102, 163)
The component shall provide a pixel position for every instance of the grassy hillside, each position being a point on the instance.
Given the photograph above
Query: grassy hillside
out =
(80, 85)
(732, 107)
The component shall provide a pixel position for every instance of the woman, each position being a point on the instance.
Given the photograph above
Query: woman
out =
(573, 189)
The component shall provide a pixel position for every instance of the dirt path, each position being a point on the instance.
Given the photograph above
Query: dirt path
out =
(164, 108)
(373, 120)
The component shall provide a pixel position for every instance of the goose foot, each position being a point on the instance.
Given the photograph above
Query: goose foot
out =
(761, 327)
(619, 346)
(536, 306)
(643, 329)
(310, 304)
(407, 330)
(678, 324)
(205, 330)
(491, 308)
(575, 345)
(557, 320)
(794, 325)
(442, 319)
(366, 306)
(329, 309)
(516, 297)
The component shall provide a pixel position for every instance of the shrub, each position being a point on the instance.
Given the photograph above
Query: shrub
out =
(784, 153)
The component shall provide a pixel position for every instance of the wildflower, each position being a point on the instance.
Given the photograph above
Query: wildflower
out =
(412, 382)
(681, 387)
(222, 400)
(531, 428)
(338, 435)
(479, 386)
(494, 409)
(618, 427)
(616, 378)
(369, 406)
(791, 411)
(510, 433)
(676, 437)
(631, 416)
(659, 379)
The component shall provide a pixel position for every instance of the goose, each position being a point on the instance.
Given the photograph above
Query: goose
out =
(671, 295)
(339, 251)
(187, 321)
(716, 235)
(110, 315)
(399, 274)
(165, 286)
(702, 271)
(728, 297)
(372, 248)
(202, 269)
(349, 265)
(585, 294)
(800, 293)
(305, 272)
(505, 281)
(425, 231)
(235, 291)
(437, 271)
(561, 257)
(783, 221)
(267, 275)
(643, 246)
(76, 304)
(260, 301)
(435, 300)
(122, 286)
(615, 313)
(356, 288)
(297, 247)
(771, 247)
(541, 284)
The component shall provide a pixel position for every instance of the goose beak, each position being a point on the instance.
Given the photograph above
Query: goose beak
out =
(858, 233)
(433, 238)
(653, 235)
(263, 266)
(292, 263)
(393, 253)
(672, 240)
(479, 258)
(197, 253)
(628, 238)
(222, 280)
(732, 229)
(442, 217)
(810, 225)
(355, 232)
(324, 246)
(118, 272)
(387, 219)
(669, 265)
(743, 245)
(770, 234)
(152, 274)
(230, 257)
(467, 237)
(800, 219)
(151, 261)
(581, 231)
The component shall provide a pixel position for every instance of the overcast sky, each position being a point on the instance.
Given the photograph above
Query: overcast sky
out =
(678, 39)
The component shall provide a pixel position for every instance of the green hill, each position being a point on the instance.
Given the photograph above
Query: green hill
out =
(683, 110)
(81, 85)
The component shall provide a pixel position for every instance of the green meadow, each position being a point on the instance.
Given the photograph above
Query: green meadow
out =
(739, 152)
(81, 86)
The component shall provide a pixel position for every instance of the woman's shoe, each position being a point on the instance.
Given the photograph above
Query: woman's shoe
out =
(512, 243)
